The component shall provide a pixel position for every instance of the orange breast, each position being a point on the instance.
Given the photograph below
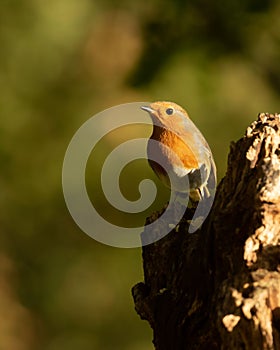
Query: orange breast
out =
(179, 147)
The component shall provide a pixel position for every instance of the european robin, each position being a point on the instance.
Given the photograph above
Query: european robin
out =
(184, 157)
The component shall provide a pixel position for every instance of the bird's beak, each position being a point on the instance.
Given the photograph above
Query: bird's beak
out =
(148, 109)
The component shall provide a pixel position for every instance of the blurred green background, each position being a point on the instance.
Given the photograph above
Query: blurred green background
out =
(63, 61)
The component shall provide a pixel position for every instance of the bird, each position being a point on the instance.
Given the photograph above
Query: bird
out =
(178, 152)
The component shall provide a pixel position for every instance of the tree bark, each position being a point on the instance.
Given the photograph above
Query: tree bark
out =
(219, 288)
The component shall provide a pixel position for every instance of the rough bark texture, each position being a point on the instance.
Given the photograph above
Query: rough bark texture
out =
(220, 287)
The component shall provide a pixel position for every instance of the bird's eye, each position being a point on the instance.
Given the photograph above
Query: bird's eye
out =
(169, 111)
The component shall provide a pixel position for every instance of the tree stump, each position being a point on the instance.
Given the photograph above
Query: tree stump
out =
(219, 288)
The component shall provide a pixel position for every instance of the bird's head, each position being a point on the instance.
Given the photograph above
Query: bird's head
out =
(166, 114)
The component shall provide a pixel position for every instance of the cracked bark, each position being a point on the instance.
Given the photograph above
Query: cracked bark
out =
(220, 287)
